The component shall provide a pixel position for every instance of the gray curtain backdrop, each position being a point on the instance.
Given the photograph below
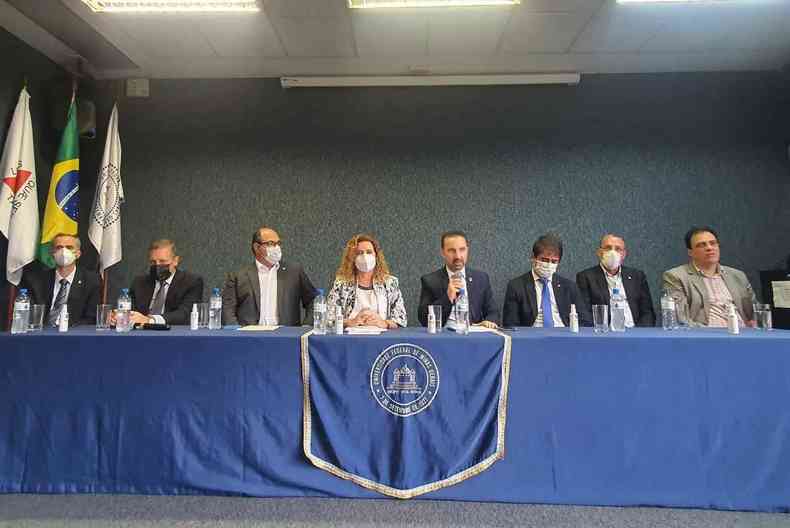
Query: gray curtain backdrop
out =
(207, 161)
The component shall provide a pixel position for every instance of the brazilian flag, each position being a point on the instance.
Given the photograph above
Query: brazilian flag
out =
(63, 200)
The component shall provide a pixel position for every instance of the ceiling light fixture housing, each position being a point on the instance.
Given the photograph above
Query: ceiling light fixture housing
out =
(390, 4)
(172, 6)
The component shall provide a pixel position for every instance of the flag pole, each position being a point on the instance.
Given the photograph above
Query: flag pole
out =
(103, 277)
(10, 312)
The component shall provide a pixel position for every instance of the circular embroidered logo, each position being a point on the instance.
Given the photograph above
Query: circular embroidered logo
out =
(107, 203)
(404, 379)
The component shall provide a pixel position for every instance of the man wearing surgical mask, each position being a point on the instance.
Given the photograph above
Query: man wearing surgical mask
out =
(597, 283)
(165, 294)
(541, 297)
(69, 284)
(269, 292)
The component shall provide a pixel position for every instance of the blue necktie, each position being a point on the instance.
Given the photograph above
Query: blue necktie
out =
(545, 305)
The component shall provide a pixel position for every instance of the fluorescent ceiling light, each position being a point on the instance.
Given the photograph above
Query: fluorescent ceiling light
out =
(376, 4)
(431, 80)
(171, 6)
(675, 1)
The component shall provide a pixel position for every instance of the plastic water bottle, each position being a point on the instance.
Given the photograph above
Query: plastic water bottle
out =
(123, 322)
(339, 320)
(574, 319)
(215, 310)
(617, 311)
(319, 313)
(462, 312)
(732, 320)
(194, 318)
(669, 314)
(63, 320)
(21, 318)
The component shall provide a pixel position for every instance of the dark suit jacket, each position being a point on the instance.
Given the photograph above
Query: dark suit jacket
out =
(521, 301)
(433, 290)
(594, 290)
(241, 296)
(84, 292)
(185, 290)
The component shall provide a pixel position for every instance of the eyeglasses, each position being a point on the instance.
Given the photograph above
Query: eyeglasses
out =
(271, 243)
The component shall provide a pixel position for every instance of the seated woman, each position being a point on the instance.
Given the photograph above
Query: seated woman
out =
(364, 288)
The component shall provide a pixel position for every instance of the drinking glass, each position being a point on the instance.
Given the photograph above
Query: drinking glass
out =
(600, 318)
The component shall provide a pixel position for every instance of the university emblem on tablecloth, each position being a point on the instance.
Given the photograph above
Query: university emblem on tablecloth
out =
(404, 379)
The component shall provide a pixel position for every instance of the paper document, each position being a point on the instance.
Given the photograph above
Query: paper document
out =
(781, 294)
(364, 330)
(259, 328)
(479, 328)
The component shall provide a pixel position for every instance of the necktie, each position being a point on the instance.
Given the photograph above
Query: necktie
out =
(545, 305)
(60, 300)
(159, 301)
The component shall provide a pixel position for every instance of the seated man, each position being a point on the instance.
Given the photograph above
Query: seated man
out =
(540, 297)
(442, 286)
(705, 288)
(596, 283)
(269, 291)
(165, 294)
(68, 284)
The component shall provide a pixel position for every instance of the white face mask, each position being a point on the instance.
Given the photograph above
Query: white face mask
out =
(365, 262)
(274, 254)
(544, 270)
(64, 257)
(611, 260)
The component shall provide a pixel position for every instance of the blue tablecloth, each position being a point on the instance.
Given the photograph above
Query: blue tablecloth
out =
(691, 419)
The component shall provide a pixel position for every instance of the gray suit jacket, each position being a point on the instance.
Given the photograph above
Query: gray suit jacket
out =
(241, 296)
(686, 283)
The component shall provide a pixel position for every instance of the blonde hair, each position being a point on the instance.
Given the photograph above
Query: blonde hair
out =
(347, 271)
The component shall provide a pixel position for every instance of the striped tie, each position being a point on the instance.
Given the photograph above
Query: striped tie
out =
(60, 300)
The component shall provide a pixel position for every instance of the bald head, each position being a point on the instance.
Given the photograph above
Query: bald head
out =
(264, 240)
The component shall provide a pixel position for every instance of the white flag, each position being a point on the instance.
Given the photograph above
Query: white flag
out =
(18, 195)
(105, 228)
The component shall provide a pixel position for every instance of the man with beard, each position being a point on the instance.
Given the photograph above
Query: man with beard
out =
(442, 286)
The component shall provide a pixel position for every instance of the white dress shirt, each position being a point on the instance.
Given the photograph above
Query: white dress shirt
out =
(366, 299)
(267, 278)
(555, 312)
(166, 285)
(451, 319)
(56, 287)
(616, 281)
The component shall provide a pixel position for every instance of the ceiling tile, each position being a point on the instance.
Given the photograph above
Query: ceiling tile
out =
(168, 36)
(543, 32)
(306, 8)
(619, 28)
(242, 36)
(316, 37)
(466, 31)
(710, 27)
(379, 33)
(559, 6)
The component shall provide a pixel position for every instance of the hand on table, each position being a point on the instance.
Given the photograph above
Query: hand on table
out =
(138, 318)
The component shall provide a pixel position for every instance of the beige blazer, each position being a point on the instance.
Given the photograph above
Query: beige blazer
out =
(686, 283)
